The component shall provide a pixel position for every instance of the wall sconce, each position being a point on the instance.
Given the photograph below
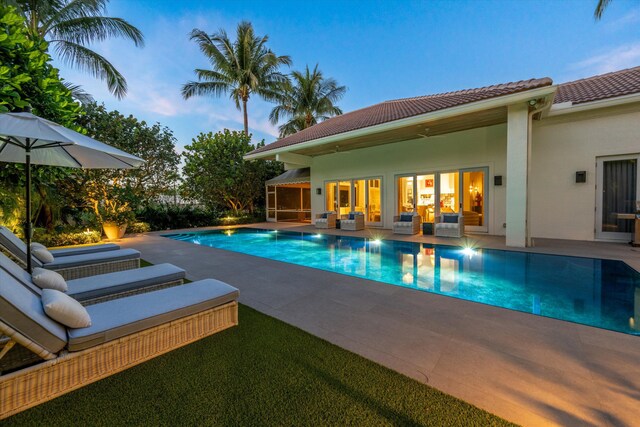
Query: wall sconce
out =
(318, 191)
(497, 180)
(581, 177)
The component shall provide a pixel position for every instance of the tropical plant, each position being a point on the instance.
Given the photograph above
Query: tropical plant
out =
(308, 98)
(600, 8)
(240, 68)
(27, 78)
(216, 174)
(72, 25)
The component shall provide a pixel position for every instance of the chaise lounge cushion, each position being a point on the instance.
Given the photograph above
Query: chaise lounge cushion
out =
(94, 258)
(81, 250)
(121, 317)
(123, 281)
(22, 310)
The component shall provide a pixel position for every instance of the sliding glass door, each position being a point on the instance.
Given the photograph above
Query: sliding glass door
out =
(617, 193)
(459, 191)
(358, 195)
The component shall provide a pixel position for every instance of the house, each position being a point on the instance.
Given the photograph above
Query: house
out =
(522, 159)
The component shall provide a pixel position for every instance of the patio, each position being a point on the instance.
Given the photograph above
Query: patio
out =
(525, 368)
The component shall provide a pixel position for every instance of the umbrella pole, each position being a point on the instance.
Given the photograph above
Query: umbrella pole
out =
(28, 224)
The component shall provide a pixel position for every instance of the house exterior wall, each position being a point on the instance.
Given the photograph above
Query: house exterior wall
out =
(482, 147)
(561, 208)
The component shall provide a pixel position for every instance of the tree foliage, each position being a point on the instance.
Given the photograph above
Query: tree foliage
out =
(27, 78)
(240, 68)
(216, 173)
(72, 25)
(306, 99)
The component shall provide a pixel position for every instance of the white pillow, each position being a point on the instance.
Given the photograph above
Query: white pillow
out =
(36, 245)
(43, 255)
(47, 279)
(64, 309)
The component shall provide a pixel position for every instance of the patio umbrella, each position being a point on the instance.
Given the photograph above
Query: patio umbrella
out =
(26, 138)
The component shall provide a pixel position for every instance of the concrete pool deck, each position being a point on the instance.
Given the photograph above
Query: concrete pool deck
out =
(527, 369)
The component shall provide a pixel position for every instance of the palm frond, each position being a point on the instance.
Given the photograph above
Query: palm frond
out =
(93, 63)
(90, 29)
(78, 93)
(600, 8)
(204, 88)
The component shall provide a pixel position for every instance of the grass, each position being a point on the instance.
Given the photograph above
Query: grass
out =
(262, 372)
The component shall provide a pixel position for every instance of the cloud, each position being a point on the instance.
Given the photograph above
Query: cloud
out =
(624, 56)
(630, 18)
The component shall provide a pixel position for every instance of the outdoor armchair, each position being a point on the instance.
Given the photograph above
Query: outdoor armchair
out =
(407, 223)
(326, 220)
(123, 333)
(449, 225)
(353, 222)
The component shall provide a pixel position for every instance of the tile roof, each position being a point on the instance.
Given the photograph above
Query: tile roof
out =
(402, 108)
(604, 86)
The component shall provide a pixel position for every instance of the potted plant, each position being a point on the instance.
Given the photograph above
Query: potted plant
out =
(114, 218)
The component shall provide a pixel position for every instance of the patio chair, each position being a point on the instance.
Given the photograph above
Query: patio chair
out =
(8, 238)
(326, 220)
(407, 223)
(105, 287)
(123, 333)
(353, 222)
(76, 266)
(449, 225)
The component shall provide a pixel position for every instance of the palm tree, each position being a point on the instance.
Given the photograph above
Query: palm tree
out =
(308, 99)
(240, 68)
(600, 8)
(70, 25)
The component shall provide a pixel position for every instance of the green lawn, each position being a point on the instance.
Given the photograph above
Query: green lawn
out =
(262, 372)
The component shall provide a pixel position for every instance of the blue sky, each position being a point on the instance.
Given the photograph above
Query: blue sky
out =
(380, 50)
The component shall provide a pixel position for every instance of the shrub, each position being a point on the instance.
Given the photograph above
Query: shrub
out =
(138, 227)
(172, 217)
(66, 238)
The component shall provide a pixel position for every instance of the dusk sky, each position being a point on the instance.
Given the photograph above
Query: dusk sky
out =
(380, 50)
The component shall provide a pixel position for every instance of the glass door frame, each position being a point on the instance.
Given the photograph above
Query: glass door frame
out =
(485, 198)
(612, 235)
(352, 200)
(437, 179)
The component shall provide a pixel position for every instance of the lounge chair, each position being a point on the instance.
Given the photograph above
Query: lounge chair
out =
(76, 266)
(353, 222)
(105, 287)
(7, 238)
(123, 333)
(326, 220)
(449, 225)
(407, 223)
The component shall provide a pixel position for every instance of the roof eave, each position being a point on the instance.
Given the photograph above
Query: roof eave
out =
(414, 120)
(569, 108)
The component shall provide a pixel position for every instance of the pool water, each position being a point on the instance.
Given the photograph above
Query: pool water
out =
(596, 292)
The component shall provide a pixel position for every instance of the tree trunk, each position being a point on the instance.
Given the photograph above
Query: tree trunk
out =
(246, 118)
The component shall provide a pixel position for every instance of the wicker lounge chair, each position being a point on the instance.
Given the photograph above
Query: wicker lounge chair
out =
(326, 220)
(407, 223)
(105, 287)
(124, 332)
(8, 238)
(75, 266)
(353, 222)
(449, 225)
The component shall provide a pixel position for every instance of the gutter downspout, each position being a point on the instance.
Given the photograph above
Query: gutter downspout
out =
(528, 240)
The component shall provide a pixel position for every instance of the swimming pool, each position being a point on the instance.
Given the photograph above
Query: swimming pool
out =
(595, 292)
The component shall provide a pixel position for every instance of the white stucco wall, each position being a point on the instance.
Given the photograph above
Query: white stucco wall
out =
(483, 147)
(562, 145)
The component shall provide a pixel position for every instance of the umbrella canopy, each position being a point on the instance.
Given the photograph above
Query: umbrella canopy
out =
(55, 145)
(26, 138)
